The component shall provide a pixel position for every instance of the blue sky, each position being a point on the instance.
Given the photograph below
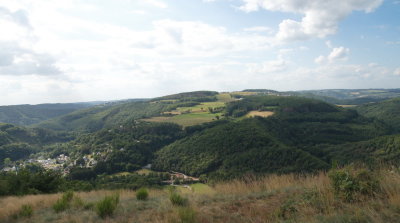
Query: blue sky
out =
(84, 50)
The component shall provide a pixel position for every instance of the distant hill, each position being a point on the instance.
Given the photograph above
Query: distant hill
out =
(188, 95)
(31, 114)
(388, 111)
(338, 96)
(111, 114)
(350, 96)
(105, 115)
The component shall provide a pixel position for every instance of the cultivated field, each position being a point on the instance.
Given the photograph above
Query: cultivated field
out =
(198, 114)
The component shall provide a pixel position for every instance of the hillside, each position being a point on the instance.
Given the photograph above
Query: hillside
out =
(101, 116)
(18, 142)
(232, 149)
(388, 111)
(278, 143)
(31, 114)
(350, 96)
(179, 108)
(337, 96)
(384, 149)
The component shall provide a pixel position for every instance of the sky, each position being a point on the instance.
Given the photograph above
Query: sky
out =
(54, 51)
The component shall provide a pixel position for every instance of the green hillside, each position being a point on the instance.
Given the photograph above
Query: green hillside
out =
(388, 111)
(124, 148)
(232, 149)
(278, 143)
(18, 142)
(31, 114)
(381, 150)
(102, 116)
(337, 96)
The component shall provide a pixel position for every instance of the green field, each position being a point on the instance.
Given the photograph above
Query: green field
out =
(198, 114)
(198, 188)
(188, 119)
(203, 107)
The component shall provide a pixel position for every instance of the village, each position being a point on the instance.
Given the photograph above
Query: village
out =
(62, 163)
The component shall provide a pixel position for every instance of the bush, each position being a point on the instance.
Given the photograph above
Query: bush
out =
(142, 194)
(178, 200)
(63, 203)
(350, 184)
(187, 215)
(26, 211)
(107, 206)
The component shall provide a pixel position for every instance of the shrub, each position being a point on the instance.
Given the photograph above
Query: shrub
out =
(178, 200)
(63, 203)
(142, 194)
(107, 206)
(26, 211)
(187, 215)
(349, 184)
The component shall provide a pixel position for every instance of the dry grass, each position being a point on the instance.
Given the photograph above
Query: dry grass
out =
(259, 113)
(285, 198)
(347, 106)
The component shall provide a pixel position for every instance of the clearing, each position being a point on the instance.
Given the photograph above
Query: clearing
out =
(259, 113)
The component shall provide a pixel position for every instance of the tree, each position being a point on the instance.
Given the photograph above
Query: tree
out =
(7, 161)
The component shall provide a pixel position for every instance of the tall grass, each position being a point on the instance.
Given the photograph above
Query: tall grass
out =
(106, 207)
(285, 198)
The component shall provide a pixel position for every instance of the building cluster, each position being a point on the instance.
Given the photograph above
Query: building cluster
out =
(62, 163)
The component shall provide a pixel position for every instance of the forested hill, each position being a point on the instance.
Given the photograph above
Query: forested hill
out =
(101, 116)
(387, 111)
(279, 143)
(108, 115)
(218, 135)
(31, 114)
(18, 142)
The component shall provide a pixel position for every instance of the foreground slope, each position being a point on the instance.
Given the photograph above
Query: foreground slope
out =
(285, 198)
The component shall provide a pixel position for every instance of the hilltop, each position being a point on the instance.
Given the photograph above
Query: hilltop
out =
(31, 114)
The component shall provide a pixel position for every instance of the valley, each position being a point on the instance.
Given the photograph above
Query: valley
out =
(197, 141)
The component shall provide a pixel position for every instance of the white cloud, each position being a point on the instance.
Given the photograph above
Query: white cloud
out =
(19, 17)
(17, 54)
(320, 18)
(337, 54)
(397, 71)
(265, 29)
(157, 3)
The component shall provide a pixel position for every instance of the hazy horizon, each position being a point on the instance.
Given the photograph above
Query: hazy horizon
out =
(85, 50)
